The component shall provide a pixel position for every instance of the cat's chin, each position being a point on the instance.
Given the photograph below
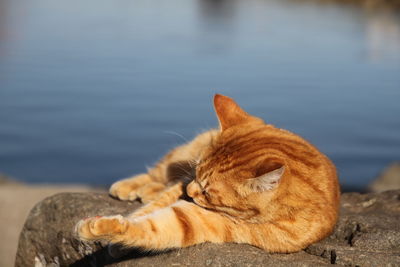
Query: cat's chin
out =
(198, 203)
(206, 207)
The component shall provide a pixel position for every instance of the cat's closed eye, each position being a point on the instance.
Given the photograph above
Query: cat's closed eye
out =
(205, 193)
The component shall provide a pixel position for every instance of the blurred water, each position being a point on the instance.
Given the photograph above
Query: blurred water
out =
(91, 91)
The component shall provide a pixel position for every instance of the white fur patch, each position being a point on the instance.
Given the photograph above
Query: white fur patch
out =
(266, 181)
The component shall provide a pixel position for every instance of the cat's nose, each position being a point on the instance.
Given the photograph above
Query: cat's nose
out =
(191, 189)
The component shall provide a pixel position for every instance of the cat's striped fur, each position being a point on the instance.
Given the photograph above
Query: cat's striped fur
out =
(251, 183)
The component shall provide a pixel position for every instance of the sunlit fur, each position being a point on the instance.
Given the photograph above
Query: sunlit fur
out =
(228, 201)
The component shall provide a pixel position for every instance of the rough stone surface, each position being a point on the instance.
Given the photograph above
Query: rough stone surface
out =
(367, 234)
(389, 179)
(16, 201)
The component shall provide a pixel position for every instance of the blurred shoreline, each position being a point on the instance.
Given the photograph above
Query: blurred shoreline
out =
(368, 4)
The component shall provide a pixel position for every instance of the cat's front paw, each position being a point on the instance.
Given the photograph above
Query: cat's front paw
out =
(127, 189)
(99, 227)
(140, 186)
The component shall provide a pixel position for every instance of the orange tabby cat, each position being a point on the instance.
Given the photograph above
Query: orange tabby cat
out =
(253, 184)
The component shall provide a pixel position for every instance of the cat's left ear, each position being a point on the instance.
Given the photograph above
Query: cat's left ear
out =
(265, 182)
(229, 113)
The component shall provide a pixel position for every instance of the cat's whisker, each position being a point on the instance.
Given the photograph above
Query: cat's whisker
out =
(193, 163)
(184, 170)
(177, 134)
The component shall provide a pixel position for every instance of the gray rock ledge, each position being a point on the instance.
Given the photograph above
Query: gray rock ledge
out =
(367, 234)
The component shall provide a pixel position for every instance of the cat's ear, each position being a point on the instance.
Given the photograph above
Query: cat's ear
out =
(266, 181)
(229, 113)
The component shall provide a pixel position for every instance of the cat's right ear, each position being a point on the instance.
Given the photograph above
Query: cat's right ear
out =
(265, 182)
(228, 112)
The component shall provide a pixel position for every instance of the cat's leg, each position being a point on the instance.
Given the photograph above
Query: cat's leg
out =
(166, 198)
(179, 225)
(141, 186)
(176, 164)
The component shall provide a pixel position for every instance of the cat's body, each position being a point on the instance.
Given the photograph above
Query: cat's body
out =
(251, 183)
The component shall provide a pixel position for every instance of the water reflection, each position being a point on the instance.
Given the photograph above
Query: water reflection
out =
(383, 35)
(379, 19)
(216, 24)
(3, 22)
(217, 10)
(90, 94)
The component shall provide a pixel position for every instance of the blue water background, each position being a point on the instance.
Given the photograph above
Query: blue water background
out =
(92, 91)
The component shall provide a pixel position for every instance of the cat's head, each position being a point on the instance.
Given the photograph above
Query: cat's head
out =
(235, 174)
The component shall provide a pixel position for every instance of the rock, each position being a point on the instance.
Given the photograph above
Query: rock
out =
(16, 201)
(389, 179)
(367, 234)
